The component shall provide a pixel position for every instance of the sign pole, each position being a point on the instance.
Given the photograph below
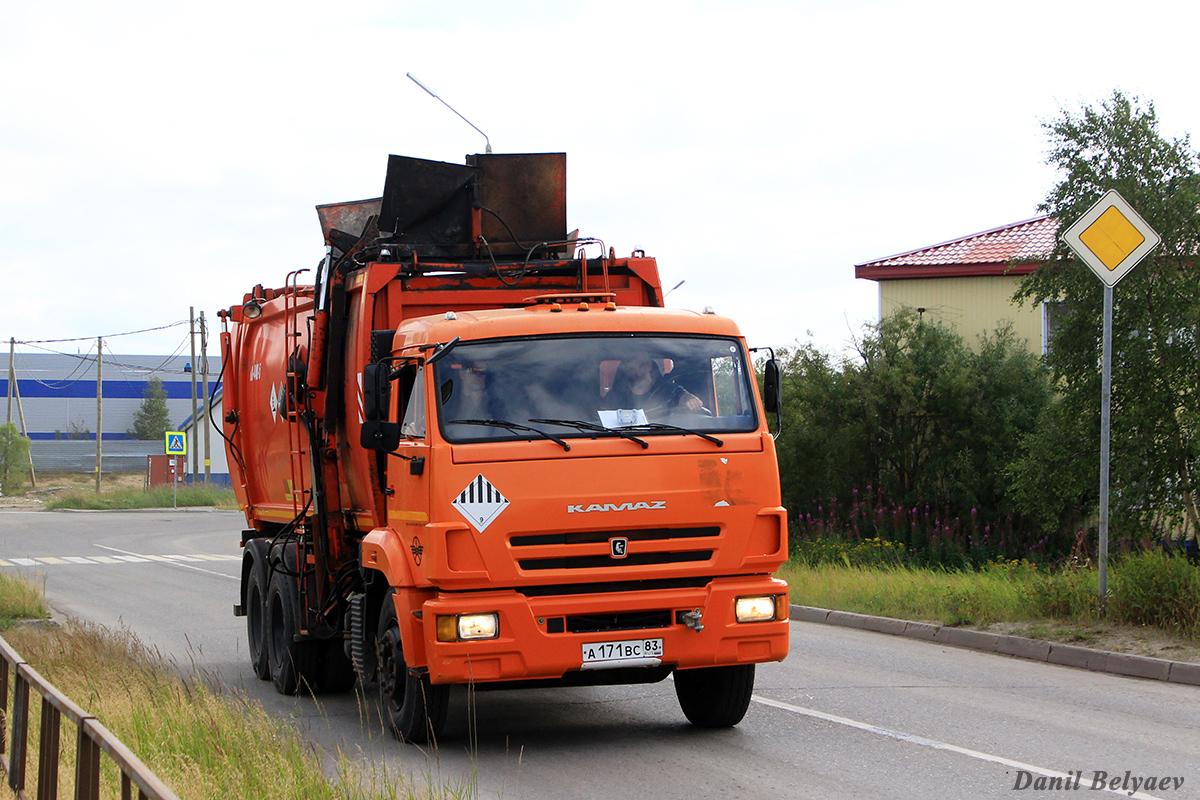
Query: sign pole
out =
(1105, 439)
(1110, 238)
(176, 442)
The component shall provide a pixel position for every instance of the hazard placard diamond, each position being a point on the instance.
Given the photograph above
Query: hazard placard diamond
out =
(480, 502)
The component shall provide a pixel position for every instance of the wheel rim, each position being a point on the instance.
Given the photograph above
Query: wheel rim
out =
(391, 682)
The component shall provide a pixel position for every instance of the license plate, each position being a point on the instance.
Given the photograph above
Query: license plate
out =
(599, 652)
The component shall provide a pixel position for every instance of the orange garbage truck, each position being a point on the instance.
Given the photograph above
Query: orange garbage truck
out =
(477, 450)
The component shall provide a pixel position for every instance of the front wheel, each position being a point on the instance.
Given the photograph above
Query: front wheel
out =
(715, 697)
(414, 708)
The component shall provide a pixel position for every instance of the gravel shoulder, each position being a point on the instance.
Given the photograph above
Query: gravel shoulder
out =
(1103, 636)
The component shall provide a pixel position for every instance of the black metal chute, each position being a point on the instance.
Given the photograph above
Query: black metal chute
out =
(427, 202)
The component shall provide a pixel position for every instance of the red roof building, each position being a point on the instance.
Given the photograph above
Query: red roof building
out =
(968, 283)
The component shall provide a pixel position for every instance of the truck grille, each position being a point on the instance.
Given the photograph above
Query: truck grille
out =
(592, 537)
(663, 553)
(633, 560)
(606, 587)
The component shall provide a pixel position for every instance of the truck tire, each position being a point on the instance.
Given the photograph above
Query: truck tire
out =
(256, 619)
(414, 708)
(293, 664)
(715, 697)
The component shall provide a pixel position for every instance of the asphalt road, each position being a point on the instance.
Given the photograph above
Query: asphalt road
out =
(850, 714)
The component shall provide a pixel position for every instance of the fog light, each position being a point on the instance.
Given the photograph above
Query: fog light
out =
(468, 626)
(479, 626)
(755, 609)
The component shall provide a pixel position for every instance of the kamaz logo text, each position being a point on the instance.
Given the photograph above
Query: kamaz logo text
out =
(639, 506)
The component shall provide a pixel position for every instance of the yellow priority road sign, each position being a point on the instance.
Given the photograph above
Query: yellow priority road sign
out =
(176, 443)
(1111, 238)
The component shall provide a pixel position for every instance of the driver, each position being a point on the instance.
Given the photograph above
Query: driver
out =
(640, 384)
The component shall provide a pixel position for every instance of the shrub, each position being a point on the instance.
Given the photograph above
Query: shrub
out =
(1068, 594)
(14, 457)
(1152, 588)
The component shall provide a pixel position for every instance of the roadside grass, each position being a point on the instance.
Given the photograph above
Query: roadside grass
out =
(159, 497)
(1146, 589)
(20, 600)
(200, 741)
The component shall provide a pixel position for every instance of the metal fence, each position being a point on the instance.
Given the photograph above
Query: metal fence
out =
(92, 739)
(79, 455)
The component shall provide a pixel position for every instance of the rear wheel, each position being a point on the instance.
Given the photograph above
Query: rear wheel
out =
(715, 697)
(414, 708)
(256, 627)
(293, 664)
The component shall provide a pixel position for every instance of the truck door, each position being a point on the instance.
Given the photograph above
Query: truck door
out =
(408, 505)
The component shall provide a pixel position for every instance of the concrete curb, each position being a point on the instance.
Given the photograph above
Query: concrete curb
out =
(1065, 655)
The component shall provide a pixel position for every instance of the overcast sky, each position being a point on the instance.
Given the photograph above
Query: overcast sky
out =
(156, 156)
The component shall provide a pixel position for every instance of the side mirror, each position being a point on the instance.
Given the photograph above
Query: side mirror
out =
(772, 387)
(377, 432)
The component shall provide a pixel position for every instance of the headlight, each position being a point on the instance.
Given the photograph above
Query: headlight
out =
(755, 609)
(468, 626)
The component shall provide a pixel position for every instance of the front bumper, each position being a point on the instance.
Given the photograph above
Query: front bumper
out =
(535, 644)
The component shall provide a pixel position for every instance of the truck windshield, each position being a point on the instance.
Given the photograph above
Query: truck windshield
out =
(634, 387)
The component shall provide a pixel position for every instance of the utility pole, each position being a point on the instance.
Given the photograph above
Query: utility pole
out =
(192, 338)
(207, 398)
(16, 389)
(12, 346)
(99, 404)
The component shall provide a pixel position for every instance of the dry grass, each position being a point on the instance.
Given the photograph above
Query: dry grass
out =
(203, 742)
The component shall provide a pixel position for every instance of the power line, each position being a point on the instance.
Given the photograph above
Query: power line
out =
(84, 361)
(109, 336)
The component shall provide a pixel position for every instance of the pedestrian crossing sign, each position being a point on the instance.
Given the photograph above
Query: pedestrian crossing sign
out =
(176, 443)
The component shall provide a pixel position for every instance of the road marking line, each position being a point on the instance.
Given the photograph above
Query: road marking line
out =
(126, 559)
(933, 743)
(168, 561)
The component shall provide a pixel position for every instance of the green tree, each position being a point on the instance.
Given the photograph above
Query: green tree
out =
(820, 446)
(152, 420)
(919, 416)
(14, 457)
(1156, 324)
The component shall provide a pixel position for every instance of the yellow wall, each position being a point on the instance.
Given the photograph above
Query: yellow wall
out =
(971, 306)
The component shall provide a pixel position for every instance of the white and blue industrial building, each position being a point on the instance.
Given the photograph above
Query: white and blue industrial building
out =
(57, 410)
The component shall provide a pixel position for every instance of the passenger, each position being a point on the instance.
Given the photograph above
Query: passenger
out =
(639, 383)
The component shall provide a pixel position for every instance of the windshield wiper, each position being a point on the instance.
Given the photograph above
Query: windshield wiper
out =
(592, 427)
(662, 426)
(512, 426)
